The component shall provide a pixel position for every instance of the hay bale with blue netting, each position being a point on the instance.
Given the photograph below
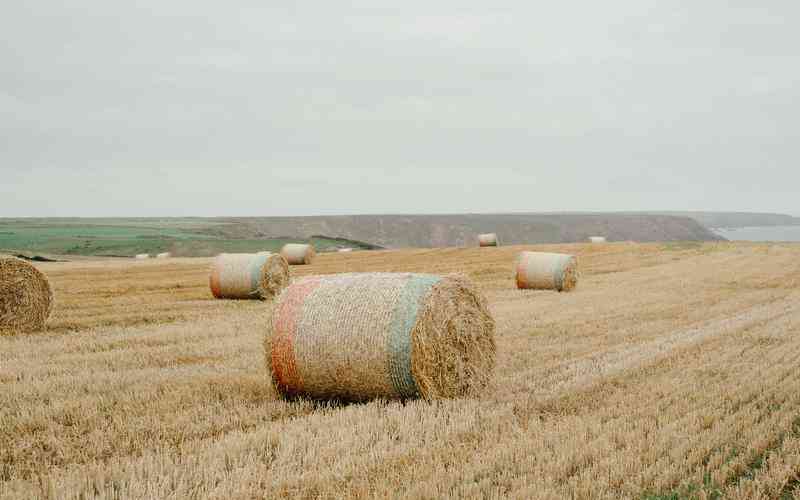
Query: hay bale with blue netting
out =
(362, 336)
(259, 276)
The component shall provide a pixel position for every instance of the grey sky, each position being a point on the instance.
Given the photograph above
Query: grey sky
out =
(248, 108)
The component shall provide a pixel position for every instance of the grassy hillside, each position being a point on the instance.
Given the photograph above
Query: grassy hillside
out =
(127, 237)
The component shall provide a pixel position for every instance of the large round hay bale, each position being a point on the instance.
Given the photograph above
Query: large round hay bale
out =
(488, 240)
(546, 271)
(248, 275)
(142, 256)
(298, 253)
(361, 336)
(597, 239)
(164, 255)
(26, 297)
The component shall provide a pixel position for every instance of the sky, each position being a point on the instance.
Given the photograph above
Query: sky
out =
(200, 108)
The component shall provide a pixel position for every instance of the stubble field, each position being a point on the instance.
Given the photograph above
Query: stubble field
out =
(672, 371)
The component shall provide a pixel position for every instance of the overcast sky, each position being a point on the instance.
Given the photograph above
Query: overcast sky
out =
(293, 108)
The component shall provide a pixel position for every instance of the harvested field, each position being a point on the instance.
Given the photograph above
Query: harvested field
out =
(670, 370)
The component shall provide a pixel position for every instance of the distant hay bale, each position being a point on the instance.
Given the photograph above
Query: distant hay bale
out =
(142, 256)
(361, 336)
(298, 253)
(597, 239)
(164, 255)
(248, 275)
(26, 297)
(345, 250)
(546, 271)
(488, 240)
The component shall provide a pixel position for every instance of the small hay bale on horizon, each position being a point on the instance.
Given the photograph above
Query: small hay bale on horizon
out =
(258, 276)
(597, 239)
(26, 297)
(298, 253)
(141, 256)
(163, 255)
(362, 336)
(488, 240)
(546, 271)
(344, 250)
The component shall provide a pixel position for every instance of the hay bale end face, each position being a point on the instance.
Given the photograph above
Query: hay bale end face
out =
(26, 297)
(597, 239)
(546, 271)
(164, 255)
(361, 336)
(298, 253)
(488, 240)
(248, 276)
(142, 256)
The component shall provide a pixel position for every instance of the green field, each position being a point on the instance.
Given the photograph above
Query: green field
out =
(127, 237)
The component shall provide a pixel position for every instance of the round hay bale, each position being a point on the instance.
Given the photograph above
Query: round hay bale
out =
(597, 239)
(344, 250)
(488, 240)
(26, 297)
(248, 275)
(361, 336)
(546, 271)
(142, 256)
(298, 253)
(164, 255)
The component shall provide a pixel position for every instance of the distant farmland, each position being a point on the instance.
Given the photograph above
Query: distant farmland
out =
(128, 237)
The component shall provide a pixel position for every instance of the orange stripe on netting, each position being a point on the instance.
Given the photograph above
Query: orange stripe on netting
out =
(284, 366)
(213, 280)
(522, 266)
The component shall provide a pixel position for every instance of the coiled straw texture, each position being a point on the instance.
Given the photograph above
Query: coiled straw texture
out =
(298, 253)
(248, 275)
(488, 240)
(546, 271)
(26, 297)
(355, 337)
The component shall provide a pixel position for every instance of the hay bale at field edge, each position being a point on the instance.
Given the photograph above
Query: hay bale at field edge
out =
(26, 297)
(298, 253)
(597, 239)
(163, 255)
(141, 256)
(488, 240)
(546, 271)
(248, 276)
(362, 336)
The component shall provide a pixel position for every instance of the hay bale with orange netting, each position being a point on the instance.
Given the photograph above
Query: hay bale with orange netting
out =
(488, 240)
(546, 271)
(360, 336)
(248, 275)
(26, 297)
(298, 253)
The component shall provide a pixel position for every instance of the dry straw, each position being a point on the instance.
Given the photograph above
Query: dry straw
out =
(546, 271)
(488, 240)
(165, 255)
(142, 256)
(597, 239)
(298, 253)
(360, 336)
(248, 275)
(26, 297)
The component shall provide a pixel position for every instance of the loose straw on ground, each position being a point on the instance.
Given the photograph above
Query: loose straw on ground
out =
(488, 240)
(26, 297)
(298, 253)
(248, 276)
(597, 239)
(360, 336)
(546, 271)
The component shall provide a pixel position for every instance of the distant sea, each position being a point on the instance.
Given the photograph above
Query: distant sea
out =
(760, 233)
